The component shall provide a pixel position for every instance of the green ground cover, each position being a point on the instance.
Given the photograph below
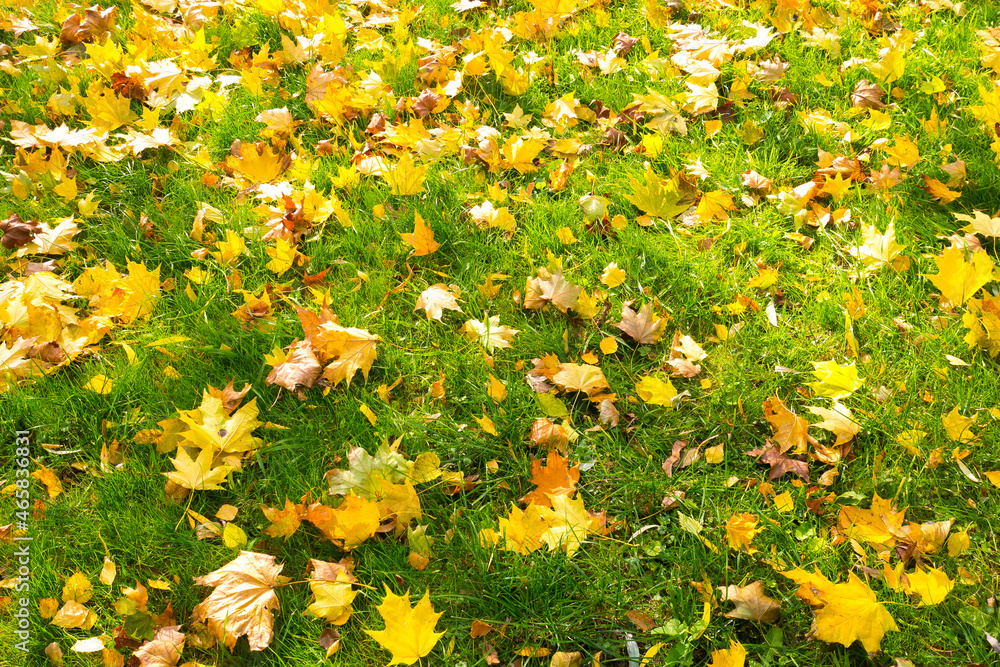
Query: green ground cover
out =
(656, 333)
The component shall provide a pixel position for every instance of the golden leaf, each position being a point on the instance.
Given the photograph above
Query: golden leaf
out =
(657, 197)
(284, 522)
(734, 656)
(879, 525)
(242, 601)
(406, 178)
(959, 280)
(197, 474)
(580, 377)
(851, 612)
(409, 632)
(422, 239)
(740, 531)
(655, 391)
(932, 585)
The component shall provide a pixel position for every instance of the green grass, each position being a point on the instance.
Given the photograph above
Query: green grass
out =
(649, 563)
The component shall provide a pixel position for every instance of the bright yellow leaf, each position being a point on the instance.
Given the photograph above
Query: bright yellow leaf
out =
(655, 391)
(409, 632)
(422, 238)
(957, 279)
(406, 178)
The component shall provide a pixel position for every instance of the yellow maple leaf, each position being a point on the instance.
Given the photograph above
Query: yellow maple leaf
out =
(421, 239)
(399, 501)
(702, 99)
(740, 531)
(197, 474)
(283, 256)
(877, 249)
(568, 524)
(836, 186)
(958, 427)
(713, 205)
(655, 391)
(878, 525)
(212, 428)
(490, 334)
(833, 380)
(932, 585)
(331, 586)
(657, 197)
(734, 656)
(851, 612)
(904, 152)
(231, 248)
(409, 632)
(580, 377)
(108, 110)
(890, 67)
(519, 153)
(406, 178)
(957, 279)
(257, 162)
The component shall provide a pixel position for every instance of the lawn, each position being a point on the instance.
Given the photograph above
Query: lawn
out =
(617, 334)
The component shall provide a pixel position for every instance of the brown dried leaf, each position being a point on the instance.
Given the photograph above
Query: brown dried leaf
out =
(90, 26)
(17, 232)
(300, 368)
(242, 601)
(751, 603)
(643, 327)
(164, 650)
(780, 463)
(867, 95)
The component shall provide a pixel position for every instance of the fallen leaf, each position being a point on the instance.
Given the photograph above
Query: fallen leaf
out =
(751, 603)
(435, 299)
(422, 238)
(242, 601)
(409, 632)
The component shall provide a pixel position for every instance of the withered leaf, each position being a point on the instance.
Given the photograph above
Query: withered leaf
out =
(643, 327)
(780, 462)
(90, 26)
(242, 601)
(17, 232)
(867, 95)
(751, 603)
